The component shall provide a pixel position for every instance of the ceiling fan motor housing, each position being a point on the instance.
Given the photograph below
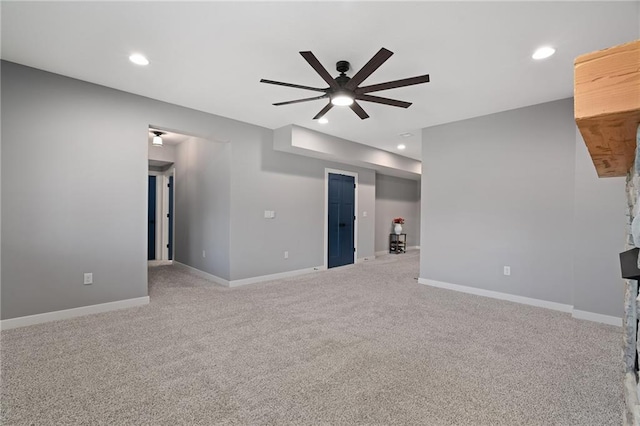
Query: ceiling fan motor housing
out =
(342, 79)
(342, 66)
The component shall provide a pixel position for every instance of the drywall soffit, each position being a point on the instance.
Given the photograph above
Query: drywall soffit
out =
(309, 143)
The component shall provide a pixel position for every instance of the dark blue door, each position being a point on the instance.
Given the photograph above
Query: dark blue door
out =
(341, 218)
(170, 216)
(151, 239)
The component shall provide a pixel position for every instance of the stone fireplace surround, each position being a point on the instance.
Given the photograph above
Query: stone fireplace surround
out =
(631, 302)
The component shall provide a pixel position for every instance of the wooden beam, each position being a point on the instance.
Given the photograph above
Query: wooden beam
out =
(607, 106)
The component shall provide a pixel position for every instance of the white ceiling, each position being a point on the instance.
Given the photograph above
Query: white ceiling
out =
(210, 56)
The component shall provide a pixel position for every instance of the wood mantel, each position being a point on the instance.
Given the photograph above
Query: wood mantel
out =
(607, 106)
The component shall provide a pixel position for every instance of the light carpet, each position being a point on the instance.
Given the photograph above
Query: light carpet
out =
(364, 344)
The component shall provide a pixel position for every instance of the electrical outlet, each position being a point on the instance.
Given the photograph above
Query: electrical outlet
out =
(204, 253)
(364, 214)
(286, 254)
(88, 278)
(507, 270)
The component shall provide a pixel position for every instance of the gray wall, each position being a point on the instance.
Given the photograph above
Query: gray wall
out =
(599, 223)
(501, 190)
(202, 205)
(74, 194)
(162, 153)
(74, 191)
(498, 190)
(397, 197)
(293, 186)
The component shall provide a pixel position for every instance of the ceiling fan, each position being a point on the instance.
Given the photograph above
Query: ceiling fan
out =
(345, 91)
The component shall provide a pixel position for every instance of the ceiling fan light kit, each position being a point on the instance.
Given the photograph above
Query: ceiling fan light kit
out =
(342, 99)
(345, 91)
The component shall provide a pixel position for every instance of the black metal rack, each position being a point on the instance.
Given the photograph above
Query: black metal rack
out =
(397, 243)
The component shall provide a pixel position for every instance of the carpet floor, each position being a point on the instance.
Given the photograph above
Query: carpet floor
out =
(364, 344)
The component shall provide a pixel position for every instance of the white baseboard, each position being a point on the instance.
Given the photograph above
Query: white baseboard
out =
(591, 316)
(575, 313)
(498, 295)
(202, 274)
(72, 313)
(246, 281)
(271, 277)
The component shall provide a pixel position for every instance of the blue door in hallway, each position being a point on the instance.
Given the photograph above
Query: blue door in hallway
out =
(341, 220)
(170, 216)
(151, 213)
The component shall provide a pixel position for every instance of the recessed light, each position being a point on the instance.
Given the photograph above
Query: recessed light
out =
(401, 146)
(543, 52)
(323, 120)
(138, 59)
(406, 135)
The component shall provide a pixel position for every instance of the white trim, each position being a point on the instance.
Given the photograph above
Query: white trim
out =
(164, 221)
(159, 214)
(246, 281)
(171, 172)
(326, 212)
(162, 210)
(575, 313)
(592, 316)
(72, 313)
(498, 295)
(202, 274)
(271, 277)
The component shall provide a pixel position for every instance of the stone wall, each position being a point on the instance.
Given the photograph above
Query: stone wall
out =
(631, 302)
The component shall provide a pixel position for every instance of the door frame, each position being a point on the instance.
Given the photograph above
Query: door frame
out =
(162, 208)
(326, 213)
(157, 221)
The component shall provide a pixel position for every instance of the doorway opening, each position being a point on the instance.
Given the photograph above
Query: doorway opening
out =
(161, 194)
(160, 211)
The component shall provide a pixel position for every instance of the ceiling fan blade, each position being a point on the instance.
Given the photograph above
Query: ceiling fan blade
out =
(373, 64)
(323, 111)
(301, 100)
(393, 84)
(385, 101)
(297, 86)
(355, 107)
(316, 65)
